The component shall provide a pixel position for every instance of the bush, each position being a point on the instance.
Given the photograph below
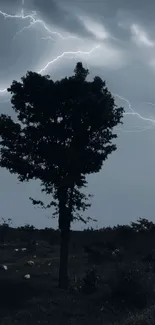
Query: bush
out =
(90, 281)
(133, 288)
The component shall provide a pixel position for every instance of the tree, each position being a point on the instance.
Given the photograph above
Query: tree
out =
(63, 133)
(143, 225)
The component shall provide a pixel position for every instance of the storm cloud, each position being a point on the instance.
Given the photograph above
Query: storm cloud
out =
(120, 37)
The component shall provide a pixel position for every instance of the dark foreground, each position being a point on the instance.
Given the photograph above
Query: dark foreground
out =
(111, 273)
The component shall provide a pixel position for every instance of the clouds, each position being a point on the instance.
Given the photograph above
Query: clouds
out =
(119, 40)
(120, 28)
(114, 39)
(56, 15)
(60, 31)
(88, 34)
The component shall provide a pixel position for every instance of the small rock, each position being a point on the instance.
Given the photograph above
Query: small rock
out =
(34, 256)
(24, 249)
(27, 276)
(30, 263)
(49, 264)
(4, 267)
(16, 249)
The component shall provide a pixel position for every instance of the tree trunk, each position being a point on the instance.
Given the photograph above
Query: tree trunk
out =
(65, 218)
(63, 267)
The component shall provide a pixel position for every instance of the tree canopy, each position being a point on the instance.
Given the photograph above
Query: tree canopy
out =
(64, 132)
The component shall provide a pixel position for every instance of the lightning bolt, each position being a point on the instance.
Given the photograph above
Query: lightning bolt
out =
(33, 20)
(48, 37)
(125, 100)
(132, 112)
(66, 53)
(74, 53)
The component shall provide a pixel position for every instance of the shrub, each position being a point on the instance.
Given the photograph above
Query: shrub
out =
(132, 287)
(90, 281)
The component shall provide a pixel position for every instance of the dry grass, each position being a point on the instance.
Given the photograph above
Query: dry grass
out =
(124, 293)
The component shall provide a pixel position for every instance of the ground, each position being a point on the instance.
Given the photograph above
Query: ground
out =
(119, 289)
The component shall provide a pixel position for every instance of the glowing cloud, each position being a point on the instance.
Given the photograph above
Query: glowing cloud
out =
(140, 37)
(97, 29)
(103, 54)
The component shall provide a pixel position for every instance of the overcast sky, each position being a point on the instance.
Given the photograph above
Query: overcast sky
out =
(115, 39)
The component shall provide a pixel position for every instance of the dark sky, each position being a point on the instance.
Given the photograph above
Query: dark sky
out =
(115, 39)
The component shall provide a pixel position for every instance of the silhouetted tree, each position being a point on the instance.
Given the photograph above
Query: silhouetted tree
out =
(143, 225)
(64, 133)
